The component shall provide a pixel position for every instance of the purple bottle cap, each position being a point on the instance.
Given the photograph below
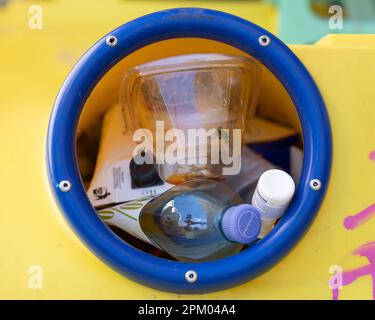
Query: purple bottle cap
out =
(241, 224)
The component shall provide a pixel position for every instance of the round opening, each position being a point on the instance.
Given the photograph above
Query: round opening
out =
(78, 92)
(274, 133)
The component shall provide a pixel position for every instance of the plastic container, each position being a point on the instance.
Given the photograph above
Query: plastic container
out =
(209, 93)
(199, 220)
(272, 196)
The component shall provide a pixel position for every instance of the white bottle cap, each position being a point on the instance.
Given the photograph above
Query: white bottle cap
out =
(276, 186)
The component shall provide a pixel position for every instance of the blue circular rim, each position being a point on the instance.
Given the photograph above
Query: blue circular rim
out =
(144, 268)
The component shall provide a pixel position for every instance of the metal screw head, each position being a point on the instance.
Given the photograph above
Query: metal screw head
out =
(264, 41)
(65, 186)
(191, 276)
(315, 184)
(111, 41)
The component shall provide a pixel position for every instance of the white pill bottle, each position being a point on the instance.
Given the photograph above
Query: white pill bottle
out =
(272, 196)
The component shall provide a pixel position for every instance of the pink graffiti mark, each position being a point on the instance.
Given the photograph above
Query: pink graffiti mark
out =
(355, 221)
(368, 251)
(371, 155)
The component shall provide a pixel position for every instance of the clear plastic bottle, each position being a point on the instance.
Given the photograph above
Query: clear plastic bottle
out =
(272, 196)
(199, 220)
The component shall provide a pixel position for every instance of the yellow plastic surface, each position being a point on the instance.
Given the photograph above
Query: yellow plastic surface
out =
(33, 65)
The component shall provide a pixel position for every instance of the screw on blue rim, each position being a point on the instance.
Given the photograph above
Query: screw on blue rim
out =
(142, 267)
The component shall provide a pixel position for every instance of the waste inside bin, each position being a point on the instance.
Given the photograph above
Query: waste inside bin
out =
(90, 85)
